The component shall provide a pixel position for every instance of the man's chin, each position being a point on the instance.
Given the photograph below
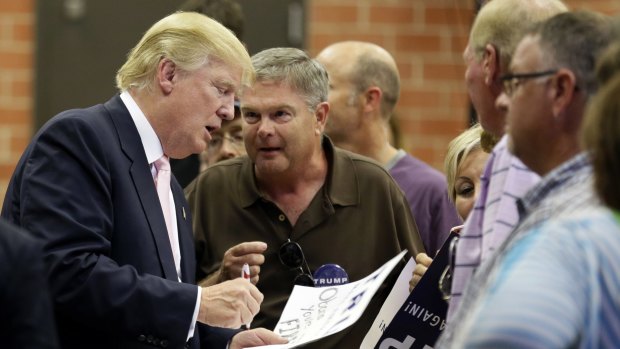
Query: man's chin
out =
(267, 166)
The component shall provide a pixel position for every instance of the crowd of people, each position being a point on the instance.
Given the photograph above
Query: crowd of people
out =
(300, 179)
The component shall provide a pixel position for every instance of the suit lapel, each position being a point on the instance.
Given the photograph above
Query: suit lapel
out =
(142, 178)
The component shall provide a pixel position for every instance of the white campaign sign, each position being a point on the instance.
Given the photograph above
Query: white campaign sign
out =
(390, 307)
(312, 313)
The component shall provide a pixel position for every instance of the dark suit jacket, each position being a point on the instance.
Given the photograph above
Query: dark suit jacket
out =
(85, 188)
(26, 319)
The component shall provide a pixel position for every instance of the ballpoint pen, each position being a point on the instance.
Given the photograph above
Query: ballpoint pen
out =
(245, 274)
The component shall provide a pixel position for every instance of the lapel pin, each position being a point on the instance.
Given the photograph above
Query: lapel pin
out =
(183, 212)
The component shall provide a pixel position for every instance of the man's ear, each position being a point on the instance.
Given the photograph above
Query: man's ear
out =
(372, 99)
(321, 114)
(490, 64)
(166, 73)
(562, 90)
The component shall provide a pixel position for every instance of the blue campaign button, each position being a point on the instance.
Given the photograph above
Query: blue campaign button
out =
(330, 275)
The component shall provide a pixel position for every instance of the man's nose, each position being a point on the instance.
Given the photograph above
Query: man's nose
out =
(227, 110)
(265, 128)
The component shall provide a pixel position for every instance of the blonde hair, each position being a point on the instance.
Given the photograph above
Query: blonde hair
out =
(458, 149)
(189, 40)
(502, 23)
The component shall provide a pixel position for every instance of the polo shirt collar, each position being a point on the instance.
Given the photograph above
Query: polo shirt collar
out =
(341, 184)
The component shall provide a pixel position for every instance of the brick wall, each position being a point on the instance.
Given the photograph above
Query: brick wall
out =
(426, 37)
(16, 89)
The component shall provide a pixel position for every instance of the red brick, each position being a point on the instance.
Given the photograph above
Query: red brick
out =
(610, 7)
(23, 32)
(459, 100)
(6, 170)
(441, 127)
(419, 98)
(391, 14)
(10, 60)
(15, 117)
(418, 43)
(408, 126)
(18, 145)
(333, 13)
(440, 71)
(405, 70)
(320, 41)
(21, 88)
(449, 16)
(21, 6)
(459, 42)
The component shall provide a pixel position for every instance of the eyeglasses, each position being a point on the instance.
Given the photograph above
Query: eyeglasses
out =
(293, 257)
(217, 141)
(511, 81)
(445, 280)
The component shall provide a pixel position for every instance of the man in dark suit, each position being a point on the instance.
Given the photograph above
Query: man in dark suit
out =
(117, 235)
(26, 319)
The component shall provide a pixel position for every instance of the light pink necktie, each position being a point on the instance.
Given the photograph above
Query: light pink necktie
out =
(162, 182)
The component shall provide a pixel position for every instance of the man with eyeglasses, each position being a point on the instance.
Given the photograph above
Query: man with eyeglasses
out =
(297, 209)
(545, 93)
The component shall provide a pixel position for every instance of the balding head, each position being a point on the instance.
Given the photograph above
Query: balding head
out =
(364, 65)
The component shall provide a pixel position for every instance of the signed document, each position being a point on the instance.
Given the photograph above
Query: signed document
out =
(312, 313)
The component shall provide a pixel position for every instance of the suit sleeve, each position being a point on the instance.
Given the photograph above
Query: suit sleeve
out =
(68, 199)
(27, 318)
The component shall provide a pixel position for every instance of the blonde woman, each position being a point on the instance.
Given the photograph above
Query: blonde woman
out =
(463, 166)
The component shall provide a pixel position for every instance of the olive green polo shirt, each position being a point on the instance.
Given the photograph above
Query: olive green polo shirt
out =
(359, 219)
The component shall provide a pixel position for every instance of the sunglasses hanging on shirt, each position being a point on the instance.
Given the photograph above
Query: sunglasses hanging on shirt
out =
(292, 256)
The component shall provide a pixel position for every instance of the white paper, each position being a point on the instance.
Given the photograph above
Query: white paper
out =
(390, 307)
(312, 313)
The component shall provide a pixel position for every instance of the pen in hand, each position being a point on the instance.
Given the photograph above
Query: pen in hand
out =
(245, 274)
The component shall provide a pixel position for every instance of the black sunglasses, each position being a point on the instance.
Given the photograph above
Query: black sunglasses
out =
(292, 256)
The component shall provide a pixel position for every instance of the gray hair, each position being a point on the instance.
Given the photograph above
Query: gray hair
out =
(574, 40)
(294, 67)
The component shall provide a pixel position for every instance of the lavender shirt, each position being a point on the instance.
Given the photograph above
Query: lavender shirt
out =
(504, 180)
(426, 191)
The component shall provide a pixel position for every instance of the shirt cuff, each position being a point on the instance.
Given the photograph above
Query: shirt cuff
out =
(192, 325)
